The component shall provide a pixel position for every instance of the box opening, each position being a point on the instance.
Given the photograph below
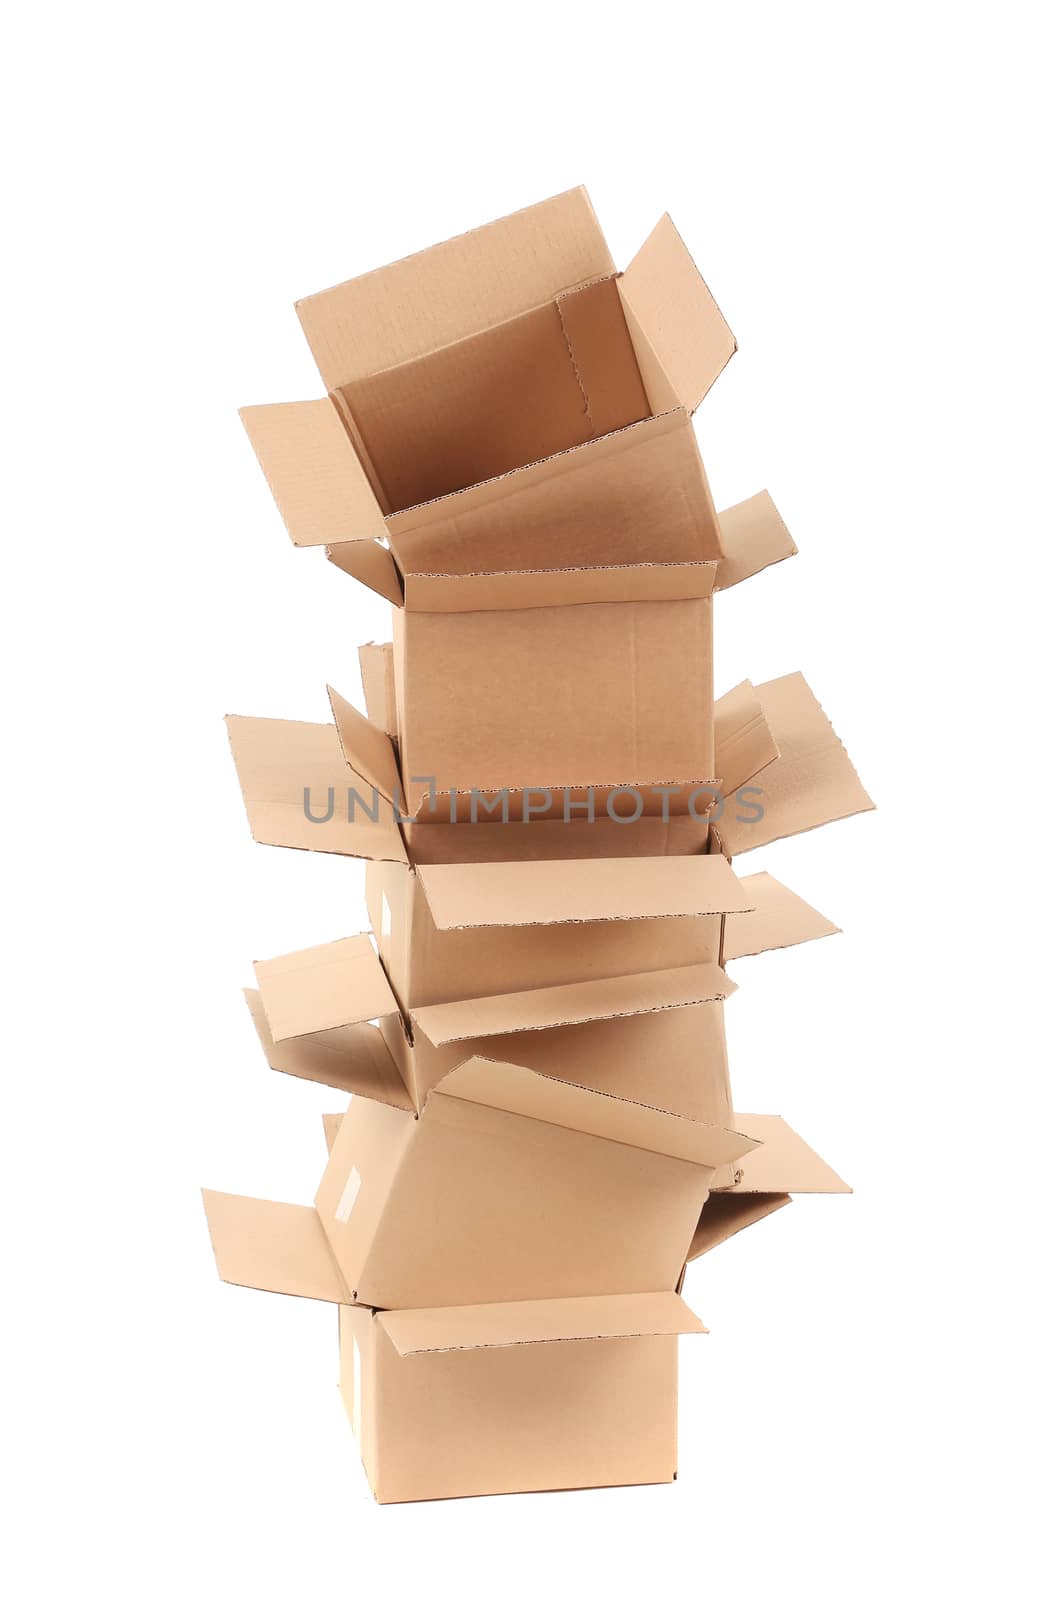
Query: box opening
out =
(528, 388)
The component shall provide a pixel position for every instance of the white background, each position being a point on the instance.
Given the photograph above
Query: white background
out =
(867, 194)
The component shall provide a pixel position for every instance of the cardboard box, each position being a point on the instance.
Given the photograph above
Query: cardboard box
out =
(655, 1037)
(499, 1399)
(430, 1210)
(594, 681)
(504, 389)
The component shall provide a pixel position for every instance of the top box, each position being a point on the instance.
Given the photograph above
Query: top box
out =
(507, 392)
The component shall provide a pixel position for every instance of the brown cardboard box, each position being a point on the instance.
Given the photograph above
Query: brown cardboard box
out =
(498, 1399)
(654, 1037)
(588, 680)
(505, 388)
(430, 1210)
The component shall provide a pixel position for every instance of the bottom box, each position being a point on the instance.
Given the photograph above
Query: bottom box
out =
(527, 1395)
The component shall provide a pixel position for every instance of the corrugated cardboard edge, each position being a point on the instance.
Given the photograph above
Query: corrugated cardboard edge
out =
(520, 1322)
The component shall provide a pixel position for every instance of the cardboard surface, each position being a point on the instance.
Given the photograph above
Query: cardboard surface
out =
(812, 780)
(618, 1189)
(327, 986)
(537, 1322)
(782, 1162)
(521, 893)
(754, 537)
(263, 1244)
(565, 1414)
(779, 919)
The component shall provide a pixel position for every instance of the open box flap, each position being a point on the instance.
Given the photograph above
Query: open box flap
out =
(782, 1163)
(676, 317)
(515, 1322)
(566, 1005)
(380, 688)
(372, 565)
(313, 471)
(754, 537)
(811, 782)
(332, 1121)
(525, 893)
(264, 1244)
(455, 289)
(326, 986)
(287, 769)
(743, 742)
(354, 1059)
(368, 751)
(726, 1214)
(779, 920)
(519, 1090)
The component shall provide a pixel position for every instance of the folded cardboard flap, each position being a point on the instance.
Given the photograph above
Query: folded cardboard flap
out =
(568, 1004)
(680, 337)
(754, 537)
(811, 782)
(528, 893)
(317, 481)
(264, 1244)
(332, 1121)
(355, 1059)
(449, 291)
(518, 1322)
(327, 986)
(779, 920)
(300, 791)
(379, 686)
(727, 1213)
(782, 1162)
(742, 739)
(522, 1092)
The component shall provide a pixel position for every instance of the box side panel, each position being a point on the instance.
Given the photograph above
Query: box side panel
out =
(559, 696)
(580, 1414)
(606, 1218)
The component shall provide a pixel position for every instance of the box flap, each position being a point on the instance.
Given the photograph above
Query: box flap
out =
(326, 986)
(754, 537)
(297, 791)
(368, 751)
(558, 586)
(332, 1121)
(743, 742)
(779, 919)
(571, 1003)
(263, 1244)
(525, 1093)
(355, 1058)
(676, 316)
(811, 782)
(726, 1214)
(371, 565)
(523, 893)
(380, 690)
(313, 471)
(514, 1322)
(782, 1163)
(455, 289)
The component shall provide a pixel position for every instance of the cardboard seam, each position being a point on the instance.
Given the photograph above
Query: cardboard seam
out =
(573, 363)
(564, 1338)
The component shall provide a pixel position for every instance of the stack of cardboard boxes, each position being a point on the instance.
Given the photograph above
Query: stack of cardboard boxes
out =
(541, 1132)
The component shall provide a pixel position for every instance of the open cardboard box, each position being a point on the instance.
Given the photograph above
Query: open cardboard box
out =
(430, 1209)
(655, 1037)
(505, 392)
(501, 1399)
(595, 680)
